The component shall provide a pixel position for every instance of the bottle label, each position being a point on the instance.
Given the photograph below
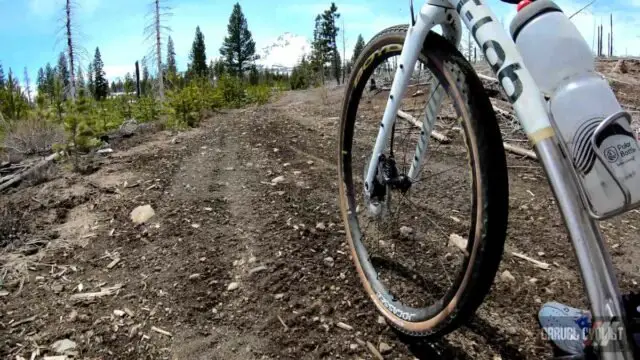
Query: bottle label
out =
(620, 148)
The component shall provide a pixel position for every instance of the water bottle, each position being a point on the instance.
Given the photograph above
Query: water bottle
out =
(563, 67)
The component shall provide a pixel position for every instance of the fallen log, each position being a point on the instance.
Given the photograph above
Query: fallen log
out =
(434, 134)
(520, 151)
(501, 111)
(488, 78)
(92, 295)
(15, 179)
(536, 263)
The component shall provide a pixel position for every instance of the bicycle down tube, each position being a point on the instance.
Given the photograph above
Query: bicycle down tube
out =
(506, 63)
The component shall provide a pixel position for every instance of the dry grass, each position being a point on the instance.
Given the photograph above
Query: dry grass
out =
(30, 136)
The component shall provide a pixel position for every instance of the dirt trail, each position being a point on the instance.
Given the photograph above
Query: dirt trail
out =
(235, 265)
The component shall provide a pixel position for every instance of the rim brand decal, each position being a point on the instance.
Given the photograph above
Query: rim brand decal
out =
(376, 54)
(404, 315)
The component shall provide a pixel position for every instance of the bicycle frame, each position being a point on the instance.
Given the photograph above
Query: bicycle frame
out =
(506, 62)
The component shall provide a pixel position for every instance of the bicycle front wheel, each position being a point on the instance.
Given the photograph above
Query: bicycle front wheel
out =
(428, 246)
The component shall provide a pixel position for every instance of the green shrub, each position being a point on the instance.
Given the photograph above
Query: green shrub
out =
(184, 106)
(146, 109)
(259, 94)
(231, 91)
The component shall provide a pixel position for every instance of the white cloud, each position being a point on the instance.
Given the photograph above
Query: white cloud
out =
(118, 71)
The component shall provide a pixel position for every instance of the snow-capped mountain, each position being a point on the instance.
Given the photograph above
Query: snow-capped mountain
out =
(285, 52)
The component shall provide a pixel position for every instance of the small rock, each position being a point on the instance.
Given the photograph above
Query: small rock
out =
(286, 164)
(39, 278)
(344, 326)
(275, 150)
(328, 260)
(57, 288)
(230, 168)
(194, 276)
(118, 313)
(506, 276)
(405, 231)
(320, 226)
(175, 140)
(105, 151)
(353, 346)
(278, 180)
(4, 293)
(278, 296)
(540, 253)
(297, 172)
(208, 209)
(141, 214)
(384, 348)
(381, 320)
(73, 315)
(195, 226)
(310, 162)
(233, 286)
(63, 346)
(533, 280)
(251, 260)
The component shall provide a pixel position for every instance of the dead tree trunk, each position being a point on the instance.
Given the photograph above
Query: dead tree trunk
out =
(70, 50)
(159, 51)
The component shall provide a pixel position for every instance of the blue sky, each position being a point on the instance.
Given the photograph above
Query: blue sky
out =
(28, 28)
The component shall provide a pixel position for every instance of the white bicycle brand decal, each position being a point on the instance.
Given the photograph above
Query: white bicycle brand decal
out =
(497, 59)
(404, 315)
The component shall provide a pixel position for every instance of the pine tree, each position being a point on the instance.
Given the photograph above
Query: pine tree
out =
(254, 76)
(63, 72)
(91, 82)
(357, 49)
(198, 55)
(172, 68)
(50, 78)
(41, 82)
(101, 83)
(238, 48)
(330, 34)
(27, 84)
(128, 83)
(113, 87)
(319, 48)
(2, 80)
(145, 84)
(219, 68)
(80, 84)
